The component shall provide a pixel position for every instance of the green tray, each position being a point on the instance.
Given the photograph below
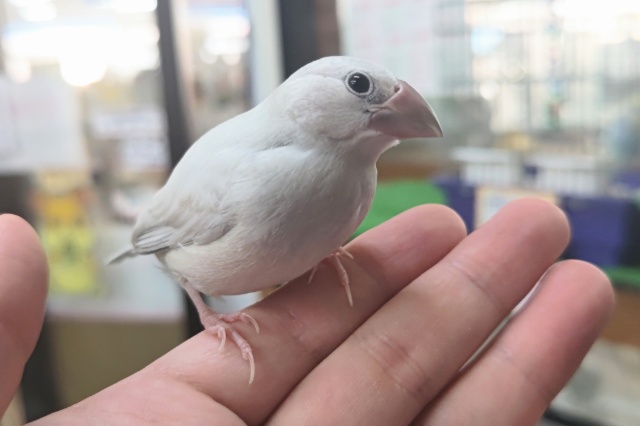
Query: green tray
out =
(394, 197)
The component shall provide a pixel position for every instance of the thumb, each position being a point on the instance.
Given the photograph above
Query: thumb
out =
(23, 291)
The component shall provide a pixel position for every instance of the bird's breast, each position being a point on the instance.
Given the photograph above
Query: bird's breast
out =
(316, 216)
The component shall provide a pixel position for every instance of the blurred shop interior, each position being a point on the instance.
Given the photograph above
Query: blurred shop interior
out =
(99, 98)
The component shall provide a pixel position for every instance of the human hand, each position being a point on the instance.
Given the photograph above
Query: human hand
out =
(426, 297)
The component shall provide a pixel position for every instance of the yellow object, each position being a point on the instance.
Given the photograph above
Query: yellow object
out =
(67, 236)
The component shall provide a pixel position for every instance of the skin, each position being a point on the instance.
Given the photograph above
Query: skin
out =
(426, 297)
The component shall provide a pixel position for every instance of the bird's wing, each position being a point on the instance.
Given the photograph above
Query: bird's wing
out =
(177, 227)
(198, 204)
(193, 207)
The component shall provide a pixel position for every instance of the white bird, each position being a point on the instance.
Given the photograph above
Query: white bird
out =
(267, 195)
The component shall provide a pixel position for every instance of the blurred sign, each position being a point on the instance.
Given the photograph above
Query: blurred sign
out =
(140, 135)
(397, 34)
(143, 122)
(40, 126)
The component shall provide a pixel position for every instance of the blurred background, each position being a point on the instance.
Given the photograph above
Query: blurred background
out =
(100, 98)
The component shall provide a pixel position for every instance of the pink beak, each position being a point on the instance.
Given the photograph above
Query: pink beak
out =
(405, 115)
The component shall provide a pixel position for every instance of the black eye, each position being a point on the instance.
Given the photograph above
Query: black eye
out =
(359, 83)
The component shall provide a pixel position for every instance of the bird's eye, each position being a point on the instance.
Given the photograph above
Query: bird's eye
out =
(359, 83)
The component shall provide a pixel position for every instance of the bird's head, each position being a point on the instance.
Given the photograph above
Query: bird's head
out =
(353, 101)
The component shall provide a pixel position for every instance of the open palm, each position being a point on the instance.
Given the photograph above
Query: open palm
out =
(426, 298)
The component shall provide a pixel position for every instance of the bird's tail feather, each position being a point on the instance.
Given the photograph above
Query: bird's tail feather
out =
(121, 255)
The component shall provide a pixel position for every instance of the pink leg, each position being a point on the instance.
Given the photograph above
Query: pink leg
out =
(220, 324)
(343, 277)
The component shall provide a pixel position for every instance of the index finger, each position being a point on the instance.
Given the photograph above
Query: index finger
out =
(302, 323)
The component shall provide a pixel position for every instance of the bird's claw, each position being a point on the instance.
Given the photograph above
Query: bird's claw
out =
(222, 335)
(252, 365)
(313, 272)
(240, 316)
(341, 250)
(343, 276)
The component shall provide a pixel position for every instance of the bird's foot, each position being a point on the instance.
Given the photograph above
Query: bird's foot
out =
(220, 324)
(343, 277)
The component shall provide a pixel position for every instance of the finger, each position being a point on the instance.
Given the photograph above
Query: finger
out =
(388, 370)
(517, 377)
(299, 324)
(303, 323)
(23, 289)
